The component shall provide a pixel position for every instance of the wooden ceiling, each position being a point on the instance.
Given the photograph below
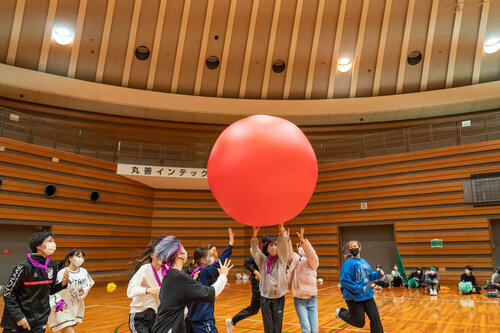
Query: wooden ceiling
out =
(247, 37)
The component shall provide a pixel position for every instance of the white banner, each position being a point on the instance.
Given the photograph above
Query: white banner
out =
(160, 171)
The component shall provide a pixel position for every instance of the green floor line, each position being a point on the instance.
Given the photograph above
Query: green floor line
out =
(117, 327)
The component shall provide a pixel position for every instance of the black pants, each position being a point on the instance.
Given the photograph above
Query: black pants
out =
(382, 284)
(355, 316)
(38, 329)
(254, 306)
(433, 286)
(272, 313)
(142, 322)
(397, 282)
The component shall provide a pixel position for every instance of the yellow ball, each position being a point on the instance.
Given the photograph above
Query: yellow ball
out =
(111, 287)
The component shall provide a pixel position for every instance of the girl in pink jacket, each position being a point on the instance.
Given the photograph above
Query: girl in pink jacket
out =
(301, 278)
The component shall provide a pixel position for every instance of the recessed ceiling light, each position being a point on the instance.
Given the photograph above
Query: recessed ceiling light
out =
(492, 45)
(62, 35)
(344, 65)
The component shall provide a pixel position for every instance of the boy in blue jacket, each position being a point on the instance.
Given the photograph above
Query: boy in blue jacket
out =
(355, 277)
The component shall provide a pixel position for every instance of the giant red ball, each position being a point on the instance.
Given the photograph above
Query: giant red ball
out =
(262, 170)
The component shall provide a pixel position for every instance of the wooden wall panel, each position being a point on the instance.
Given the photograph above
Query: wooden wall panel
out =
(111, 231)
(421, 194)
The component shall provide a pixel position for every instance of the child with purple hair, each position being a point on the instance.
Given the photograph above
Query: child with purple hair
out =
(179, 289)
(272, 261)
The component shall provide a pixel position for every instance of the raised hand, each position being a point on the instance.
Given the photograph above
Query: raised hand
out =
(224, 269)
(231, 236)
(281, 228)
(301, 235)
(65, 278)
(255, 231)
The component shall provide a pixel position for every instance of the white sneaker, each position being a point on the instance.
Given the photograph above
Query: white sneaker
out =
(229, 325)
(337, 314)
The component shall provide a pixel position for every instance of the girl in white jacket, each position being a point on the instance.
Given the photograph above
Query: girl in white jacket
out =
(144, 288)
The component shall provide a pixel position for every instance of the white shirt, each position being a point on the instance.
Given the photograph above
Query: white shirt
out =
(142, 279)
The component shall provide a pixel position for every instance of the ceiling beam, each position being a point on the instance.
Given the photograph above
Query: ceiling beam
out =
(454, 44)
(204, 45)
(270, 49)
(359, 48)
(428, 45)
(381, 47)
(129, 53)
(293, 49)
(75, 50)
(336, 48)
(49, 24)
(225, 50)
(156, 44)
(404, 47)
(15, 32)
(180, 46)
(103, 52)
(314, 49)
(481, 34)
(248, 49)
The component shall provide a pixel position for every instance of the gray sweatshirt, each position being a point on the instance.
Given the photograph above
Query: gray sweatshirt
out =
(273, 285)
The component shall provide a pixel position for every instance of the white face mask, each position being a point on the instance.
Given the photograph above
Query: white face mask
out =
(50, 248)
(211, 260)
(301, 252)
(77, 261)
(467, 271)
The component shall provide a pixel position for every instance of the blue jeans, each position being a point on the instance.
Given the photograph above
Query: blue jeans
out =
(307, 311)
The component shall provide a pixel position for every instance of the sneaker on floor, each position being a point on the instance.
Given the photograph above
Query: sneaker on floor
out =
(229, 325)
(337, 314)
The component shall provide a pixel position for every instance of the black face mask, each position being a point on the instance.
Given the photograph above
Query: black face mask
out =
(354, 251)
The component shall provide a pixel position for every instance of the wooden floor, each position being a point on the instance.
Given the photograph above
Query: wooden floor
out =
(401, 310)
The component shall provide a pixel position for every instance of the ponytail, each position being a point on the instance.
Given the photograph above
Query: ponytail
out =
(145, 256)
(199, 254)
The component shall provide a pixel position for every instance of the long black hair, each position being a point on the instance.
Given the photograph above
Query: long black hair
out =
(145, 256)
(72, 253)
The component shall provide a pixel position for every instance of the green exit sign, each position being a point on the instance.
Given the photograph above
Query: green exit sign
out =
(436, 243)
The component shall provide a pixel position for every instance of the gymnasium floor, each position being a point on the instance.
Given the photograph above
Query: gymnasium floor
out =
(401, 311)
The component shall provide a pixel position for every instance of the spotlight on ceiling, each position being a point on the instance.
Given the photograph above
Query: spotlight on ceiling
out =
(492, 45)
(344, 65)
(62, 36)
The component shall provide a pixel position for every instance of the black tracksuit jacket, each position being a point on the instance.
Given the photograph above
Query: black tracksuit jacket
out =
(27, 293)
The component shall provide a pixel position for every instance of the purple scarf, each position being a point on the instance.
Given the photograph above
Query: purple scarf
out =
(197, 269)
(163, 272)
(34, 263)
(270, 262)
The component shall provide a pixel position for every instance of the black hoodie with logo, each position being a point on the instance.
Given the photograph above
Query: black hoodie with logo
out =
(27, 293)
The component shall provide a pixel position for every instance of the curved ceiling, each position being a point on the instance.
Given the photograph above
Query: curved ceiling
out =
(241, 40)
